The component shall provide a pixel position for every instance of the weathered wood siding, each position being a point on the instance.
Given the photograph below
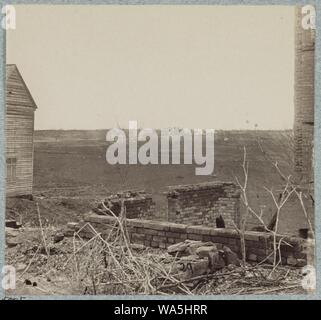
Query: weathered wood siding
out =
(19, 132)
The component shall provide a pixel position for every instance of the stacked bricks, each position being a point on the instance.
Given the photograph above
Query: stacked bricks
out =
(201, 204)
(156, 234)
(138, 204)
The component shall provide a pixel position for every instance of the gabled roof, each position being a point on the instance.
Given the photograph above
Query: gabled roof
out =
(17, 93)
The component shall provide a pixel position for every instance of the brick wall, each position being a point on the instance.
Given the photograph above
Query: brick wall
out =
(201, 204)
(162, 234)
(138, 204)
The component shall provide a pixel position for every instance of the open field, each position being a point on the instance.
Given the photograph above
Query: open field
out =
(71, 173)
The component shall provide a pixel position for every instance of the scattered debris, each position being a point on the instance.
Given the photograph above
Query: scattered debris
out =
(12, 237)
(50, 250)
(13, 224)
(59, 236)
(114, 266)
(26, 196)
(71, 228)
(199, 258)
(20, 267)
(138, 204)
(137, 247)
(28, 282)
(111, 264)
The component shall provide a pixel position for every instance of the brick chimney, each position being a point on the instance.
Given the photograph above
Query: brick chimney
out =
(303, 100)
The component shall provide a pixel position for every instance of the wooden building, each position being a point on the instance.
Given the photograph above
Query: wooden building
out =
(20, 109)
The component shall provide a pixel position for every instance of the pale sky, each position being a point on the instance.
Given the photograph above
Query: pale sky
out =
(220, 67)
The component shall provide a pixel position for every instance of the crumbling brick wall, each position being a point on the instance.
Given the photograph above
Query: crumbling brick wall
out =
(138, 204)
(157, 234)
(201, 204)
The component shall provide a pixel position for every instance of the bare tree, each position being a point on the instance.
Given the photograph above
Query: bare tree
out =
(249, 211)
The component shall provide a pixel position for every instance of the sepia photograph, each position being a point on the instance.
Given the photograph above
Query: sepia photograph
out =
(159, 150)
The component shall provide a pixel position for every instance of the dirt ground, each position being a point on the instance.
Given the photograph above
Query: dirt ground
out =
(61, 272)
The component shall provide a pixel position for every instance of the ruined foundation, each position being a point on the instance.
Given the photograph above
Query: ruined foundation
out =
(203, 203)
(192, 214)
(137, 204)
(157, 234)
